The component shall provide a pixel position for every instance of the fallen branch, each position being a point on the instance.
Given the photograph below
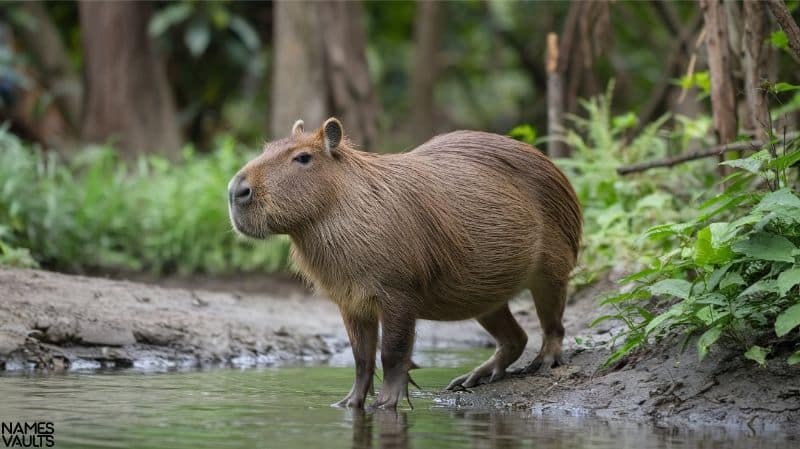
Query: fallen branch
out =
(717, 150)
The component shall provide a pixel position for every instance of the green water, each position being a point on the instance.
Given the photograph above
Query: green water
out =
(289, 408)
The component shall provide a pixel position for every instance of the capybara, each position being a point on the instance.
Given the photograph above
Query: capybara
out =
(451, 230)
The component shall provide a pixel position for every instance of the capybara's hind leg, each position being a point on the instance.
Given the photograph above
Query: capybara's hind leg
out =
(510, 339)
(549, 296)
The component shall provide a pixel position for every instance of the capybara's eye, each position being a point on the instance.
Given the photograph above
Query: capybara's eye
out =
(303, 158)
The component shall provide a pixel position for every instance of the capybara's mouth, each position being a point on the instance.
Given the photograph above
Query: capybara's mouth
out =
(242, 227)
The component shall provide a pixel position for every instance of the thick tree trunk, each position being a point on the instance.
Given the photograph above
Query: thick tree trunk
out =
(722, 93)
(320, 69)
(755, 66)
(427, 35)
(299, 88)
(128, 99)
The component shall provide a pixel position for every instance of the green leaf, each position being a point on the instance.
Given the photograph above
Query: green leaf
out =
(794, 359)
(779, 40)
(622, 297)
(732, 278)
(757, 354)
(784, 87)
(629, 345)
(788, 159)
(655, 322)
(679, 288)
(716, 276)
(705, 252)
(245, 32)
(788, 320)
(760, 287)
(602, 318)
(788, 279)
(766, 246)
(752, 163)
(638, 275)
(197, 37)
(169, 16)
(524, 133)
(625, 121)
(705, 341)
(778, 199)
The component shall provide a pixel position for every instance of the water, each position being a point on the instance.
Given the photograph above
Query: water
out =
(289, 408)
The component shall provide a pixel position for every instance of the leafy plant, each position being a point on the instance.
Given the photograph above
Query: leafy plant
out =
(97, 212)
(618, 208)
(734, 274)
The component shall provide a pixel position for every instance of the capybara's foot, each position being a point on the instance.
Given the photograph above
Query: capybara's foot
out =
(392, 392)
(483, 374)
(350, 401)
(543, 363)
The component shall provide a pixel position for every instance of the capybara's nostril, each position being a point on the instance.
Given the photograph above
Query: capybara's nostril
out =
(241, 192)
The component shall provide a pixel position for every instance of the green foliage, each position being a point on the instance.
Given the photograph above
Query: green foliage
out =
(734, 271)
(97, 212)
(615, 208)
(779, 40)
(524, 133)
(700, 80)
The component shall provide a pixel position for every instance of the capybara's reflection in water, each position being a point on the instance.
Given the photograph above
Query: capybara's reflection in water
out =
(389, 429)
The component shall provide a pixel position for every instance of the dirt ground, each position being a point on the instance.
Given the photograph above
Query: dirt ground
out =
(54, 321)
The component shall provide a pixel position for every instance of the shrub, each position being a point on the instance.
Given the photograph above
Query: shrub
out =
(734, 273)
(97, 212)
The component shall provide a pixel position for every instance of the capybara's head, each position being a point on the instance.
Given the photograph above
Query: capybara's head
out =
(292, 183)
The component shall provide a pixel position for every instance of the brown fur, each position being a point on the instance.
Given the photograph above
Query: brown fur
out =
(449, 231)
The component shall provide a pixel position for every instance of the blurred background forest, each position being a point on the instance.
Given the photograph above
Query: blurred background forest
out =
(126, 119)
(675, 121)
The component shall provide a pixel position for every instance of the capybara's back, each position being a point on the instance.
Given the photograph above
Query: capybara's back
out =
(449, 231)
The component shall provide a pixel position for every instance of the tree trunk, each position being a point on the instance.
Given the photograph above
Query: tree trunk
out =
(555, 101)
(427, 35)
(128, 99)
(320, 69)
(722, 93)
(299, 88)
(755, 65)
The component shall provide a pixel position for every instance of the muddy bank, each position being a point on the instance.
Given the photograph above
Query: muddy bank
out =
(663, 385)
(56, 322)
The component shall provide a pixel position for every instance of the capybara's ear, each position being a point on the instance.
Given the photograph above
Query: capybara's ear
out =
(298, 127)
(332, 131)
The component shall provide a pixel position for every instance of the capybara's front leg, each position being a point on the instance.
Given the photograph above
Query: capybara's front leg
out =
(363, 335)
(397, 341)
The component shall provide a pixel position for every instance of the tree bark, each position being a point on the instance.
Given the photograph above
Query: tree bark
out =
(755, 65)
(128, 99)
(722, 93)
(320, 69)
(427, 36)
(556, 146)
(787, 23)
(299, 88)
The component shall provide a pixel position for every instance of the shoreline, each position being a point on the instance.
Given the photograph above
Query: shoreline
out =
(56, 322)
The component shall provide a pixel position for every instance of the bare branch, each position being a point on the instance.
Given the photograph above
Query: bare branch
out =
(717, 150)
